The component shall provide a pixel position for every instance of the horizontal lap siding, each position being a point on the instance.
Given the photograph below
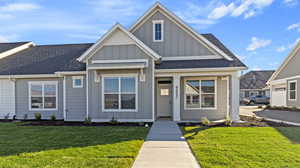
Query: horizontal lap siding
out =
(218, 114)
(22, 100)
(75, 101)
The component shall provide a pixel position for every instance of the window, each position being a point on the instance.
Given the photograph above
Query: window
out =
(292, 90)
(77, 81)
(164, 92)
(43, 95)
(158, 28)
(119, 93)
(200, 94)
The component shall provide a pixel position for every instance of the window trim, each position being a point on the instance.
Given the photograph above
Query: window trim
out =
(289, 89)
(75, 78)
(162, 30)
(200, 99)
(43, 83)
(135, 76)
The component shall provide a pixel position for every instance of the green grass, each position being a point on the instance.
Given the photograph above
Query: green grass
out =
(69, 147)
(252, 147)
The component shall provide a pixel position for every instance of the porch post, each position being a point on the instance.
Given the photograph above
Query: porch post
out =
(176, 97)
(235, 97)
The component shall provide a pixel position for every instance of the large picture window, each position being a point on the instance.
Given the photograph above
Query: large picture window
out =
(43, 95)
(119, 93)
(292, 90)
(200, 94)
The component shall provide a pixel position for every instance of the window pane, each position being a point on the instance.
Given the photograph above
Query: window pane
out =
(78, 82)
(111, 85)
(36, 102)
(292, 94)
(157, 31)
(164, 92)
(208, 100)
(50, 90)
(192, 87)
(111, 101)
(127, 85)
(208, 86)
(50, 102)
(36, 90)
(293, 86)
(128, 101)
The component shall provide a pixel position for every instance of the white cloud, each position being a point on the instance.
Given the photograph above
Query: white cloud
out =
(281, 49)
(14, 7)
(257, 43)
(8, 38)
(256, 69)
(295, 26)
(221, 11)
(290, 2)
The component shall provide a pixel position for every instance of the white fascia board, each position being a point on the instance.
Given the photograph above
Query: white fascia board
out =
(181, 24)
(71, 72)
(99, 44)
(120, 61)
(29, 76)
(118, 67)
(15, 50)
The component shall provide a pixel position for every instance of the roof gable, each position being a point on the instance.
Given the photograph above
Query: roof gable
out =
(112, 37)
(159, 7)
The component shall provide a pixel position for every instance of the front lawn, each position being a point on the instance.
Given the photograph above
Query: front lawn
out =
(245, 147)
(69, 146)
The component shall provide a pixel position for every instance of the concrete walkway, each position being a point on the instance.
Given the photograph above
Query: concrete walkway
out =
(165, 147)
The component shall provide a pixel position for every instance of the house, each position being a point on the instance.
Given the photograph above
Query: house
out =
(254, 83)
(158, 68)
(284, 83)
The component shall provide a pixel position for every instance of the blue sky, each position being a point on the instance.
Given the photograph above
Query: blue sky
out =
(260, 32)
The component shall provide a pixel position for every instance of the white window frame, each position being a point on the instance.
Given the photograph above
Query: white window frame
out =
(74, 78)
(43, 83)
(162, 30)
(200, 94)
(135, 76)
(289, 90)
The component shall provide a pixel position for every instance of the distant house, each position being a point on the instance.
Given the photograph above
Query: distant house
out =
(255, 83)
(284, 83)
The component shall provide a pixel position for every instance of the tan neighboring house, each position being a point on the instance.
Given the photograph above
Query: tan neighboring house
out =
(285, 82)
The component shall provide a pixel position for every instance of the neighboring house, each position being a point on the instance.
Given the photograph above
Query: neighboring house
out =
(159, 67)
(285, 82)
(7, 106)
(254, 83)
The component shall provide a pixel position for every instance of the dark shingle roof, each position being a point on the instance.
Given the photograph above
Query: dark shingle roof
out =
(8, 46)
(255, 79)
(205, 63)
(44, 59)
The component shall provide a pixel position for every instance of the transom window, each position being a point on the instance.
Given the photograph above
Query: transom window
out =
(120, 93)
(200, 94)
(158, 28)
(77, 81)
(43, 95)
(292, 90)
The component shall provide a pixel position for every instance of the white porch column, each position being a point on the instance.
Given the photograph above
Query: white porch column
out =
(235, 97)
(176, 97)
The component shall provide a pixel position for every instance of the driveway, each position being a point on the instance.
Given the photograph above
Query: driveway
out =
(249, 110)
(290, 116)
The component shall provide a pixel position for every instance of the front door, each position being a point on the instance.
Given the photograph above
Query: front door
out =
(164, 99)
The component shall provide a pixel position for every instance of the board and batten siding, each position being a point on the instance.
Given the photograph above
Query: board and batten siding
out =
(293, 103)
(22, 99)
(212, 114)
(75, 100)
(7, 98)
(291, 68)
(176, 42)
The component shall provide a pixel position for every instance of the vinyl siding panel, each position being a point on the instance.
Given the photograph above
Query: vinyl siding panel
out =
(176, 41)
(22, 99)
(75, 100)
(7, 98)
(291, 69)
(218, 114)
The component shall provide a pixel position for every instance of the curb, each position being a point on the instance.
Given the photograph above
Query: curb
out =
(281, 121)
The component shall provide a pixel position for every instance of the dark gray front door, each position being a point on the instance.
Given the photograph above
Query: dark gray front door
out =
(164, 100)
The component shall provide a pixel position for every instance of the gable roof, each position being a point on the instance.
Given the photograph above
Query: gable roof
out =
(44, 59)
(159, 7)
(99, 44)
(8, 46)
(255, 79)
(205, 63)
(285, 62)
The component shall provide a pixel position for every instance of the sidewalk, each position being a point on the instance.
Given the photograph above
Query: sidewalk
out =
(165, 147)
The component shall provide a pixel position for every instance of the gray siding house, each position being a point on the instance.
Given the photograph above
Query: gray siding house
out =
(284, 83)
(158, 68)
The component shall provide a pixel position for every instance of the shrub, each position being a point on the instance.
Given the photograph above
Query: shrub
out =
(53, 117)
(88, 121)
(38, 116)
(228, 122)
(260, 107)
(25, 117)
(205, 121)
